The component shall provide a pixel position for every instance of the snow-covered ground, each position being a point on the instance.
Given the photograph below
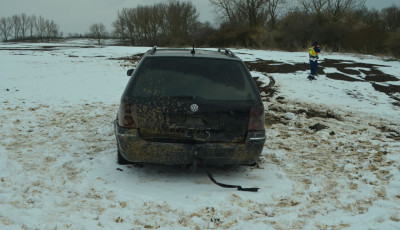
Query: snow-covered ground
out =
(58, 165)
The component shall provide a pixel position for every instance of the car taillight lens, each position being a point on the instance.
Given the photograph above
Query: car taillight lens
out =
(256, 119)
(127, 115)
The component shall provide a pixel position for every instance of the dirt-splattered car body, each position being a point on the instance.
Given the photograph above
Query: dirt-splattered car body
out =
(180, 105)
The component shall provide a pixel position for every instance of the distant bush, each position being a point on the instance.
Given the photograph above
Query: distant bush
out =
(369, 40)
(296, 31)
(392, 44)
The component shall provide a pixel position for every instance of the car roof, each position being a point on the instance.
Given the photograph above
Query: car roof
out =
(203, 53)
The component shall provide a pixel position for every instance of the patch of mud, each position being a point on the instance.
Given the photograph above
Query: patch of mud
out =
(278, 114)
(340, 64)
(341, 77)
(267, 91)
(45, 48)
(378, 76)
(275, 67)
(359, 72)
(129, 61)
(132, 59)
(389, 89)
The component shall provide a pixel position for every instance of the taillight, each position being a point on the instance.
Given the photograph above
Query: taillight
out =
(127, 115)
(256, 119)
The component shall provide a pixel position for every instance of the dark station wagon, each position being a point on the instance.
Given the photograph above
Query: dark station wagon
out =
(181, 105)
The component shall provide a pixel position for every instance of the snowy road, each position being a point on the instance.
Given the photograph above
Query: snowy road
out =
(58, 167)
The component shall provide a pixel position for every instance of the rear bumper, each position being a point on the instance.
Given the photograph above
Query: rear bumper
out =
(135, 149)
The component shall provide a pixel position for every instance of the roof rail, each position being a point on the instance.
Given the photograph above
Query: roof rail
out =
(227, 52)
(153, 50)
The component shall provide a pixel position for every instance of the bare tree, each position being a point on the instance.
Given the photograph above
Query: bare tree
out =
(40, 27)
(273, 11)
(6, 27)
(254, 11)
(180, 20)
(391, 18)
(172, 23)
(370, 17)
(316, 7)
(156, 21)
(338, 8)
(244, 12)
(98, 31)
(226, 10)
(120, 28)
(142, 22)
(31, 25)
(126, 19)
(16, 20)
(332, 9)
(25, 20)
(51, 30)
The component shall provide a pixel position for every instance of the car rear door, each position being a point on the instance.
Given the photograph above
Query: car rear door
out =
(193, 100)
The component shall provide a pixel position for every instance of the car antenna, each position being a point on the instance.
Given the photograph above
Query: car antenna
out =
(193, 52)
(153, 50)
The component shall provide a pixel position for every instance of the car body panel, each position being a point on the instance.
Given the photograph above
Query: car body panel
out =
(185, 106)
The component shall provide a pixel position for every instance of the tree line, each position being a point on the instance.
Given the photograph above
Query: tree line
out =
(23, 27)
(172, 23)
(338, 25)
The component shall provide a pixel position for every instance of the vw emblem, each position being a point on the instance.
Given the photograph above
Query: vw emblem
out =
(194, 108)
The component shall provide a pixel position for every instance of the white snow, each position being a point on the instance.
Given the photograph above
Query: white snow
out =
(58, 165)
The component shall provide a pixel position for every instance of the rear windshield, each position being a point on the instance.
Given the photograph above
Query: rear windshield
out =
(210, 79)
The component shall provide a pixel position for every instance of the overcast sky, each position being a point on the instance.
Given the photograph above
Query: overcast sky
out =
(75, 16)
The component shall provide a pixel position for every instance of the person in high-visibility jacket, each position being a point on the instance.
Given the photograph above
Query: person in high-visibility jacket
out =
(314, 55)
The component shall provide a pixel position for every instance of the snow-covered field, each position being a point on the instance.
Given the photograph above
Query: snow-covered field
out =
(58, 165)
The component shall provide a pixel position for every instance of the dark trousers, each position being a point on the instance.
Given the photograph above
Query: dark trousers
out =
(313, 67)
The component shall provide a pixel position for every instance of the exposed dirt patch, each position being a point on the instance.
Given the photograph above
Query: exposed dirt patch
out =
(45, 48)
(378, 76)
(347, 67)
(390, 90)
(129, 61)
(346, 64)
(278, 113)
(347, 71)
(132, 59)
(276, 67)
(341, 77)
(268, 90)
(24, 49)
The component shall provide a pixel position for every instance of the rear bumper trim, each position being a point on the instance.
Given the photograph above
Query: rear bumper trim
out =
(257, 138)
(135, 149)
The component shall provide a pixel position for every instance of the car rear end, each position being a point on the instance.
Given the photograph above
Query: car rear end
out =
(178, 108)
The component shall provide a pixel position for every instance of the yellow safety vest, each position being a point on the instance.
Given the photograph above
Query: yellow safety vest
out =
(312, 52)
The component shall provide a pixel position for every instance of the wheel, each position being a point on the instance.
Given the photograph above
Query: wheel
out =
(122, 160)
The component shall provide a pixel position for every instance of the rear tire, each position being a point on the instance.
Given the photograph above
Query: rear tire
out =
(122, 160)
